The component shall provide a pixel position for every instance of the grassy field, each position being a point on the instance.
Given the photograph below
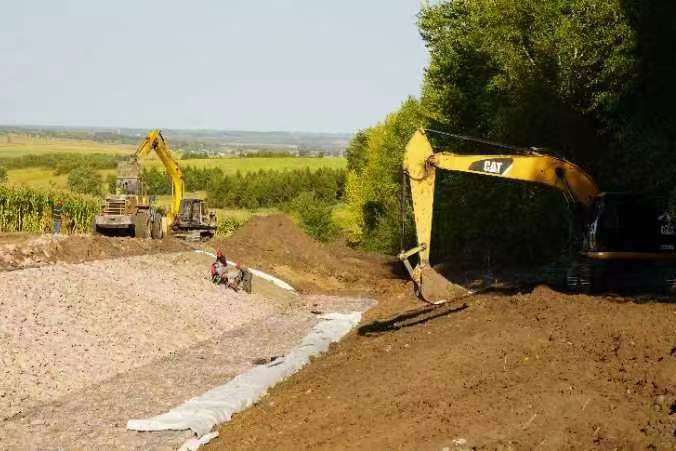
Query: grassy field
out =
(45, 178)
(20, 145)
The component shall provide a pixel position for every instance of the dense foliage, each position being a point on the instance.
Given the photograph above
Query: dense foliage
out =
(261, 189)
(265, 189)
(3, 174)
(315, 214)
(85, 180)
(29, 210)
(593, 80)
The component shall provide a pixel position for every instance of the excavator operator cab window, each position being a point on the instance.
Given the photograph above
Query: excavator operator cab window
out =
(127, 185)
(626, 223)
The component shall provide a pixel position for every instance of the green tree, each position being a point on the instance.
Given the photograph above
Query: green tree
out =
(316, 216)
(356, 152)
(373, 186)
(85, 180)
(3, 175)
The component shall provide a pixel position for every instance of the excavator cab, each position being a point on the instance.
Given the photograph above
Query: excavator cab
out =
(194, 220)
(630, 223)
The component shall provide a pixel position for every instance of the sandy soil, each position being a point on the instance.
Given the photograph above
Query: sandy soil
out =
(95, 417)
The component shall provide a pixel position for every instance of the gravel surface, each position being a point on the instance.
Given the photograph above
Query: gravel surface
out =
(87, 346)
(67, 326)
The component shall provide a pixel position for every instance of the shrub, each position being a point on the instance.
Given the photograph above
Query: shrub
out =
(315, 215)
(228, 225)
(85, 180)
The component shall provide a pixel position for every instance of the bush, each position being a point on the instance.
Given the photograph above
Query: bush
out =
(85, 180)
(3, 175)
(228, 225)
(315, 215)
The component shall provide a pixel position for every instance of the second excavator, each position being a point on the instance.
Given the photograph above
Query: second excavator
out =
(130, 211)
(617, 232)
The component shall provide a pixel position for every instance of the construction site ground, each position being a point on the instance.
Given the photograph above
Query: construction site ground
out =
(512, 370)
(96, 331)
(535, 369)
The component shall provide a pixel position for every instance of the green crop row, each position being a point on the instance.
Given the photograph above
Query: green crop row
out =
(30, 210)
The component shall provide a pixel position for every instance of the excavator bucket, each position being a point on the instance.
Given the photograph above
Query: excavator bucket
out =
(436, 289)
(431, 286)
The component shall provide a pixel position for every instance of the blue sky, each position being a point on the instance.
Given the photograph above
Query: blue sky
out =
(306, 65)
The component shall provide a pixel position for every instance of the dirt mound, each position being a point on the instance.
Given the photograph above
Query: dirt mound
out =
(21, 251)
(534, 370)
(277, 245)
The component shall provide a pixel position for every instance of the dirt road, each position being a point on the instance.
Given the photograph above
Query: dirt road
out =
(510, 371)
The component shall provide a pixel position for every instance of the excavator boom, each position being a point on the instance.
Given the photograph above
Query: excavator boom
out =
(155, 141)
(420, 165)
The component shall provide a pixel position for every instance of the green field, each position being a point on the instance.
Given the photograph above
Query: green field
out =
(19, 145)
(25, 146)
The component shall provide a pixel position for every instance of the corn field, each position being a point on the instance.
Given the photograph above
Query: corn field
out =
(30, 210)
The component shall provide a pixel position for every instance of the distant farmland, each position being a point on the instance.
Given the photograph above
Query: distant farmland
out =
(19, 145)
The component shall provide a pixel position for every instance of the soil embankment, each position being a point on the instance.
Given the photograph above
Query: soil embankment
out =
(538, 369)
(20, 250)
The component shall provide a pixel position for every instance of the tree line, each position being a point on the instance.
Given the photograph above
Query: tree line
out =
(591, 80)
(260, 189)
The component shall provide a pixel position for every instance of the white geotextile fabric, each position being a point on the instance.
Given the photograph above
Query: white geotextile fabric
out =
(280, 283)
(202, 413)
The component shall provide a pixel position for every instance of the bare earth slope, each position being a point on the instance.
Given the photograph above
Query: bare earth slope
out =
(539, 370)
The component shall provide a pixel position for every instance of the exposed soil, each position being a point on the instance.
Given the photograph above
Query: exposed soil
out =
(278, 246)
(530, 370)
(19, 250)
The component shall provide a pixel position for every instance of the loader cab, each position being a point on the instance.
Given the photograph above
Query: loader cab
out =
(629, 222)
(128, 186)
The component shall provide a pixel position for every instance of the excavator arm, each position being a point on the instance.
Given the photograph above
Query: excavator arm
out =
(156, 142)
(420, 165)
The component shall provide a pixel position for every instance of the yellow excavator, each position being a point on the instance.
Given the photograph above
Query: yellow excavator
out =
(621, 233)
(129, 211)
